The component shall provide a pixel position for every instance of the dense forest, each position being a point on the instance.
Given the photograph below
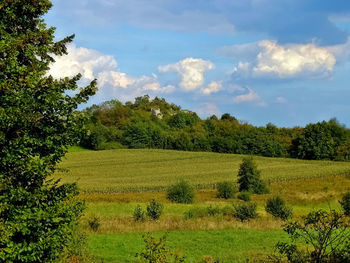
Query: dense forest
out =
(148, 123)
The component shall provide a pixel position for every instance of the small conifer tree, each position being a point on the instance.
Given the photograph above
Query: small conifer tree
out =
(249, 178)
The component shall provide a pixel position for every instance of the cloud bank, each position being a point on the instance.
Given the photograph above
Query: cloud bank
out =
(271, 60)
(111, 82)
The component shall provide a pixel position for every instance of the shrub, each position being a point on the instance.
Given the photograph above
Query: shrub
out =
(94, 223)
(277, 207)
(156, 251)
(326, 233)
(154, 209)
(213, 210)
(245, 211)
(249, 178)
(181, 192)
(139, 214)
(225, 190)
(244, 196)
(345, 203)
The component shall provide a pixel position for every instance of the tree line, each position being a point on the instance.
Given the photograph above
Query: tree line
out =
(155, 123)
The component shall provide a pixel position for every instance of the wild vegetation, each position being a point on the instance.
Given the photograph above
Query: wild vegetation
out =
(195, 229)
(154, 123)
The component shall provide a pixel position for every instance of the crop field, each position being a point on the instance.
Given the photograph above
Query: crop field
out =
(114, 182)
(124, 170)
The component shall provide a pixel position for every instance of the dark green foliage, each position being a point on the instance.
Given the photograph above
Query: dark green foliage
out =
(345, 203)
(148, 123)
(249, 178)
(181, 192)
(343, 152)
(183, 119)
(38, 121)
(277, 207)
(154, 210)
(225, 189)
(139, 215)
(326, 235)
(156, 251)
(319, 141)
(244, 196)
(245, 211)
(94, 223)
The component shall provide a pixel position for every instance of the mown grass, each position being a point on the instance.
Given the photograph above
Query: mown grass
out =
(127, 170)
(227, 245)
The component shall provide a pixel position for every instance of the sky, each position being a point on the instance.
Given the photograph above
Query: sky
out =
(285, 62)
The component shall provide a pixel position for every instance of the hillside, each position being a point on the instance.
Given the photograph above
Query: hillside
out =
(128, 170)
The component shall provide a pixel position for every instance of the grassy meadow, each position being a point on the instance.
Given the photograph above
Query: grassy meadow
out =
(114, 182)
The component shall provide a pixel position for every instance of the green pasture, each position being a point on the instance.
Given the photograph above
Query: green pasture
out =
(126, 170)
(228, 245)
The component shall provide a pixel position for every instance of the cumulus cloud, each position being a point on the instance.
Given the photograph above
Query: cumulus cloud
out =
(212, 87)
(111, 82)
(88, 62)
(191, 71)
(249, 97)
(288, 61)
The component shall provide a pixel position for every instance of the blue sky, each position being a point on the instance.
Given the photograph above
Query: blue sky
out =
(279, 61)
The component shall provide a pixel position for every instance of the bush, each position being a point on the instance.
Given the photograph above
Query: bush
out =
(245, 211)
(345, 203)
(244, 196)
(94, 223)
(277, 207)
(326, 233)
(139, 214)
(213, 210)
(249, 178)
(225, 190)
(181, 192)
(156, 251)
(154, 210)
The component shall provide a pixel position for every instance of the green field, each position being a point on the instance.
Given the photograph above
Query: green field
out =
(227, 245)
(114, 182)
(145, 170)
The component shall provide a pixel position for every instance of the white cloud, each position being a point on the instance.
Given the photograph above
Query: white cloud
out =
(88, 62)
(191, 71)
(111, 82)
(293, 60)
(250, 97)
(212, 87)
(269, 59)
